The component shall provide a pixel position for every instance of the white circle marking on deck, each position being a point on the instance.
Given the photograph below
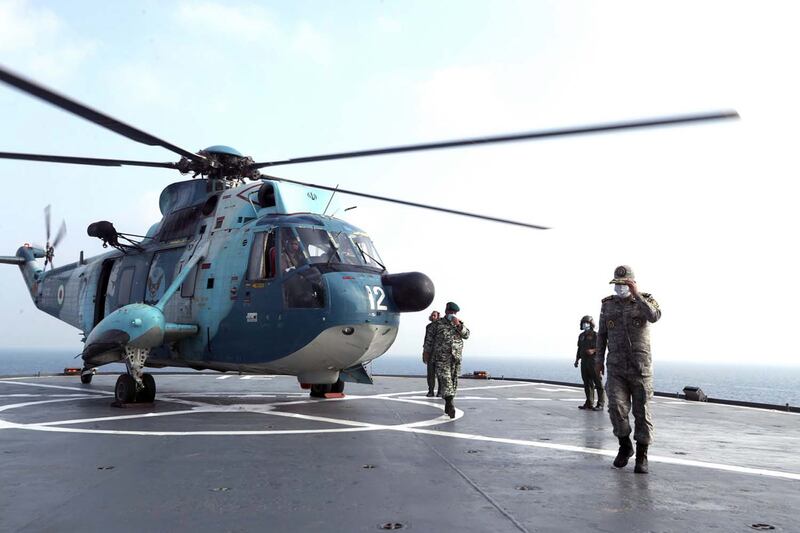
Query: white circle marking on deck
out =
(352, 426)
(200, 407)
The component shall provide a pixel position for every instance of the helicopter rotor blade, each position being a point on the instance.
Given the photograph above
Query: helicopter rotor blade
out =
(542, 134)
(101, 119)
(47, 223)
(62, 231)
(94, 161)
(411, 204)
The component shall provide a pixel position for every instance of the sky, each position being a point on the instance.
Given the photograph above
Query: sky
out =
(704, 214)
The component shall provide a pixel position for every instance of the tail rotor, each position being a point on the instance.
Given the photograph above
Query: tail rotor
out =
(49, 253)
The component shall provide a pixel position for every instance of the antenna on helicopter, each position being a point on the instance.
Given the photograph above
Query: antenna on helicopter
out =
(330, 200)
(345, 209)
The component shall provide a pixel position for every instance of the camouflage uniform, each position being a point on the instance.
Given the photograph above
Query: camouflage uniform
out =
(587, 340)
(445, 344)
(624, 328)
(431, 363)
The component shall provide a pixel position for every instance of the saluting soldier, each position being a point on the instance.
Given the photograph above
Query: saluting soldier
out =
(445, 346)
(624, 328)
(587, 345)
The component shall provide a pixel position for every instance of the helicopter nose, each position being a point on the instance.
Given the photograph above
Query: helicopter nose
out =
(410, 291)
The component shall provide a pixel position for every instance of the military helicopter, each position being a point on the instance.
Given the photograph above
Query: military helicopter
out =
(237, 276)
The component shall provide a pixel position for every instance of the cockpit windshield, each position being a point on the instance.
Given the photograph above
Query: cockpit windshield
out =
(367, 250)
(321, 246)
(316, 244)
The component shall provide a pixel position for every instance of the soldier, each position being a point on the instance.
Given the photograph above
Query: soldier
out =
(624, 328)
(587, 342)
(445, 346)
(426, 356)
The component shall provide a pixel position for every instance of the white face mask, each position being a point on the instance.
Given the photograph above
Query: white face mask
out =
(586, 326)
(623, 291)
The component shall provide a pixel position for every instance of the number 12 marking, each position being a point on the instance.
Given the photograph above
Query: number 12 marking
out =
(372, 294)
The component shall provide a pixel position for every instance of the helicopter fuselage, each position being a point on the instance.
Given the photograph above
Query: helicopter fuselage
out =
(300, 294)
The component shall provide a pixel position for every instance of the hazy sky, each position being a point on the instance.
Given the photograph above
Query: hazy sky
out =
(705, 215)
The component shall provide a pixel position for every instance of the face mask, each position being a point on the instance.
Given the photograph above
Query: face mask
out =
(586, 326)
(450, 317)
(623, 291)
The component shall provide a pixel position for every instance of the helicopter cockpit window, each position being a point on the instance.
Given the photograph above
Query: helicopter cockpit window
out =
(303, 288)
(346, 250)
(325, 247)
(263, 256)
(316, 244)
(292, 251)
(367, 250)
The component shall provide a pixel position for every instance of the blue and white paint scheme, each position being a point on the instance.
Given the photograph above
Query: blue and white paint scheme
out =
(247, 278)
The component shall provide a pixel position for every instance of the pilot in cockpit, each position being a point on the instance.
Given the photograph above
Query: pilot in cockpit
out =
(292, 254)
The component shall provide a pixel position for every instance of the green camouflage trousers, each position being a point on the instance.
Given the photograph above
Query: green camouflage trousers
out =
(626, 392)
(447, 372)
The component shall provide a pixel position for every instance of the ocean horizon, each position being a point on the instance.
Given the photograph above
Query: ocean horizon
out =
(773, 384)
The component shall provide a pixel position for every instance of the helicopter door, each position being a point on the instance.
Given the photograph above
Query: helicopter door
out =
(262, 291)
(102, 288)
(262, 265)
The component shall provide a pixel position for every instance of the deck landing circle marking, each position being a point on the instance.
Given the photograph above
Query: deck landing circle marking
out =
(200, 408)
(416, 427)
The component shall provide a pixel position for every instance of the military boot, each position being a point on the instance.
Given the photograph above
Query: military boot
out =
(448, 406)
(625, 452)
(641, 459)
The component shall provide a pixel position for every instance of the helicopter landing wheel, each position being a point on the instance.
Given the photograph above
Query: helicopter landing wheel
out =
(148, 393)
(338, 387)
(86, 376)
(125, 389)
(319, 390)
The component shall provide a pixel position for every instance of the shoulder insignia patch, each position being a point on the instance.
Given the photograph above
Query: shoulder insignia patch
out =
(649, 297)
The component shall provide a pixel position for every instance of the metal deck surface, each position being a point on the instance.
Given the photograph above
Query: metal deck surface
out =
(254, 453)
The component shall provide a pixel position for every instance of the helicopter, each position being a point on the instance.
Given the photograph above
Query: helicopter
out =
(245, 272)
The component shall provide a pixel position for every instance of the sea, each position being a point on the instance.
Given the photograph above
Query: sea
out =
(772, 384)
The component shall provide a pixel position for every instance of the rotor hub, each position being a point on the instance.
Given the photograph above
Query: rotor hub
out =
(220, 162)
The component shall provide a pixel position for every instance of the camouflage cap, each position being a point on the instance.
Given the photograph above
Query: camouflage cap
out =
(622, 275)
(452, 306)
